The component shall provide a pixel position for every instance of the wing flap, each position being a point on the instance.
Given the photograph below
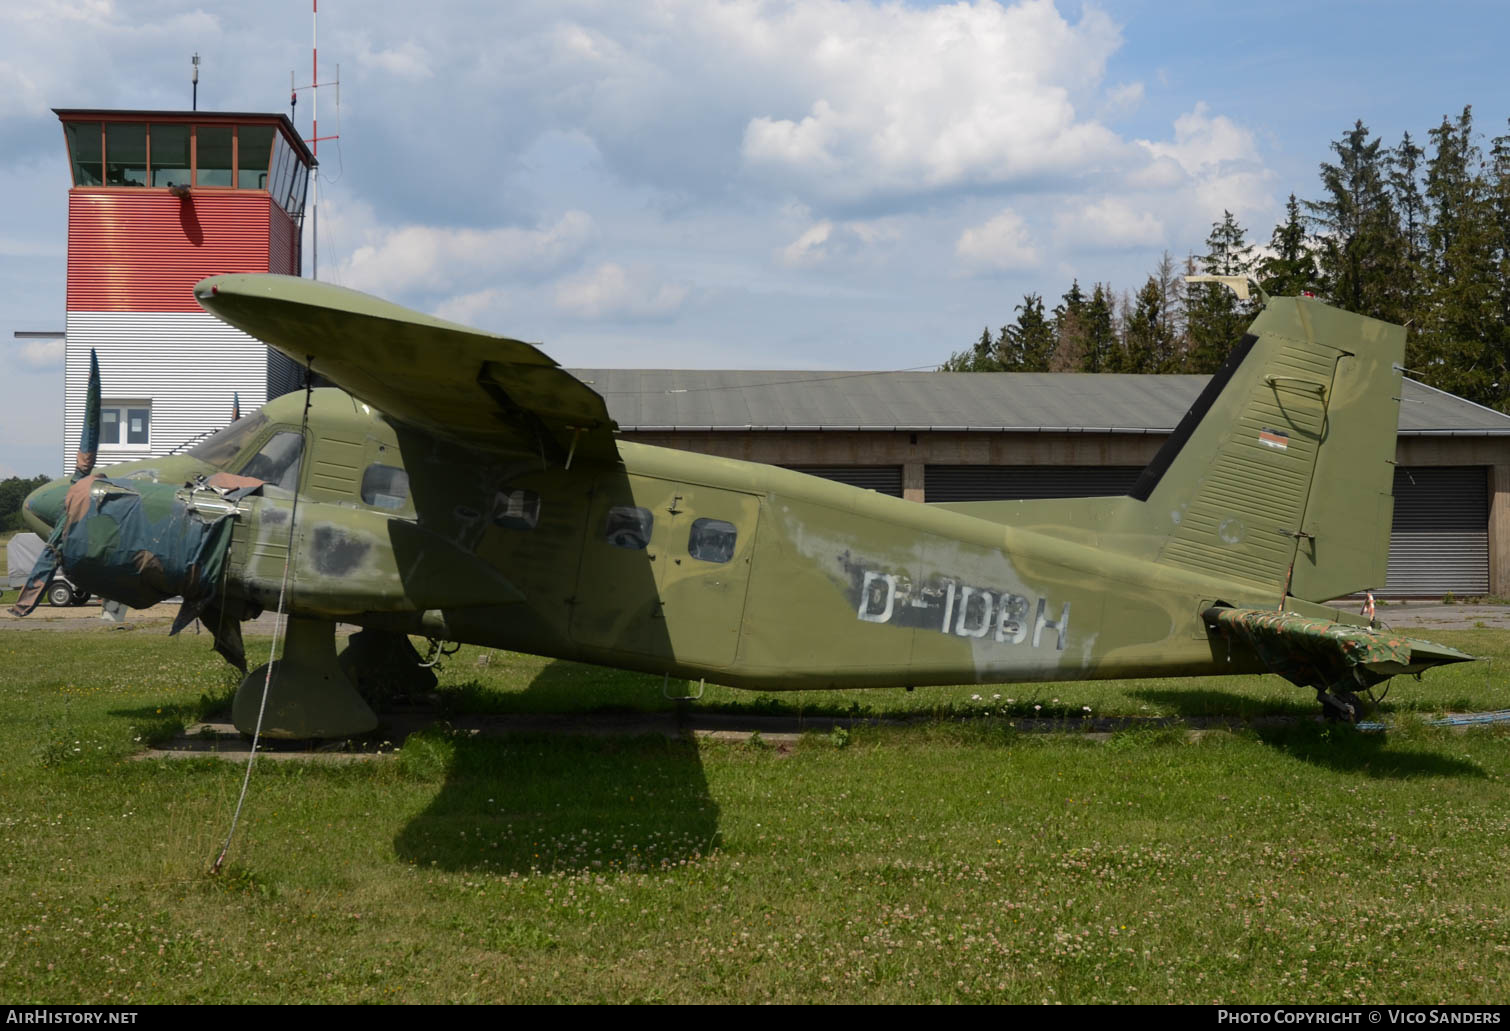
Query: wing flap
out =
(466, 384)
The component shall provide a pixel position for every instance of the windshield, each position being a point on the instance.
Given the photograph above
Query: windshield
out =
(226, 444)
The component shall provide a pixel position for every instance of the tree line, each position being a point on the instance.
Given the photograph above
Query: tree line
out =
(1410, 234)
(13, 491)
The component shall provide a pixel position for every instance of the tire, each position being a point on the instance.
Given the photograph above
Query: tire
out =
(59, 594)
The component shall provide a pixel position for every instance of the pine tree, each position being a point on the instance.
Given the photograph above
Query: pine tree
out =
(1100, 330)
(1150, 337)
(1410, 208)
(1456, 348)
(1028, 343)
(1359, 250)
(1215, 317)
(1291, 269)
(1069, 331)
(980, 358)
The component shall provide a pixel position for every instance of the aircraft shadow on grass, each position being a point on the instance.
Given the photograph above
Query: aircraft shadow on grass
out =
(565, 802)
(1330, 745)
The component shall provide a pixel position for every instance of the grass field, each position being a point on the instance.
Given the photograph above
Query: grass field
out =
(951, 858)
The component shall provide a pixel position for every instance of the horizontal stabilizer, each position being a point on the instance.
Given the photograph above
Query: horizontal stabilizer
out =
(1319, 653)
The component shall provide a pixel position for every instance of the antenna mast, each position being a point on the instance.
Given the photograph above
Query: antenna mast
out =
(314, 130)
(195, 81)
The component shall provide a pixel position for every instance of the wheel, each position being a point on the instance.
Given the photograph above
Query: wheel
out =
(1343, 707)
(82, 598)
(60, 594)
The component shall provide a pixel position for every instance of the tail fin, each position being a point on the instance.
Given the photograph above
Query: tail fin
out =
(1280, 474)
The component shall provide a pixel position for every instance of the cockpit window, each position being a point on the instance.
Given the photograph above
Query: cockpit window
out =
(223, 445)
(277, 461)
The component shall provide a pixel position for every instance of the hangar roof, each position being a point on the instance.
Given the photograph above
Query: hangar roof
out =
(662, 400)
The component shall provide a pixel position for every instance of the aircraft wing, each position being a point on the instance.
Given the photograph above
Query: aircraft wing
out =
(474, 387)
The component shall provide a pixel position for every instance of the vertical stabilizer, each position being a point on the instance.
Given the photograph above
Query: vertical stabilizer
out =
(1280, 473)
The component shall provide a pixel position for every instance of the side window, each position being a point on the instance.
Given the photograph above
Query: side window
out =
(712, 540)
(385, 486)
(517, 509)
(278, 461)
(629, 527)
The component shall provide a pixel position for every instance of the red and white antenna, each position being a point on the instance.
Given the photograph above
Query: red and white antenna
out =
(314, 129)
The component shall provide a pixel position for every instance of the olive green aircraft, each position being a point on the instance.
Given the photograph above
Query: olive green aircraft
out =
(462, 487)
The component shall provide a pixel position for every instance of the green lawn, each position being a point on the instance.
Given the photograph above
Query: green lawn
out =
(946, 859)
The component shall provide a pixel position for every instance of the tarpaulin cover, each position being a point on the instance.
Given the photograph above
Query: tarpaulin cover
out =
(135, 542)
(1312, 652)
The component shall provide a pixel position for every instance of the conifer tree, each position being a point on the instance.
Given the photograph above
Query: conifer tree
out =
(980, 358)
(1456, 348)
(1100, 330)
(1028, 343)
(1358, 253)
(1291, 269)
(1215, 317)
(1069, 331)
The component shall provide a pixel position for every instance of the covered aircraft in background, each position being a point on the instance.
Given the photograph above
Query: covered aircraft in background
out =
(461, 486)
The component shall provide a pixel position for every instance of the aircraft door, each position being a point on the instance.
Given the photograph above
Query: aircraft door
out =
(707, 572)
(664, 570)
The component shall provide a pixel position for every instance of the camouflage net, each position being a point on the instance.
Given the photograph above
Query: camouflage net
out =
(1312, 652)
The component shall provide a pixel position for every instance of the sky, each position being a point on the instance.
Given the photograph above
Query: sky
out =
(698, 184)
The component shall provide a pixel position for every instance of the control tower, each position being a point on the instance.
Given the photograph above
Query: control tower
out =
(159, 201)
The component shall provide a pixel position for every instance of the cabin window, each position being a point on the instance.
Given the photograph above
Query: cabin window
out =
(254, 149)
(385, 486)
(84, 149)
(170, 155)
(629, 527)
(517, 509)
(212, 155)
(277, 462)
(125, 154)
(712, 540)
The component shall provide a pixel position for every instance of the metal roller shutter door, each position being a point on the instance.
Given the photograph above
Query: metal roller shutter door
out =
(883, 479)
(1018, 482)
(1440, 538)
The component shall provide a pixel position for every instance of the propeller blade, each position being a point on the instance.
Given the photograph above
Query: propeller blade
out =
(89, 439)
(235, 405)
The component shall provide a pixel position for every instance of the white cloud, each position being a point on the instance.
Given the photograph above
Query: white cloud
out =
(40, 354)
(904, 100)
(435, 258)
(471, 308)
(1124, 98)
(1110, 223)
(808, 249)
(613, 291)
(1203, 142)
(406, 59)
(1220, 163)
(1001, 243)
